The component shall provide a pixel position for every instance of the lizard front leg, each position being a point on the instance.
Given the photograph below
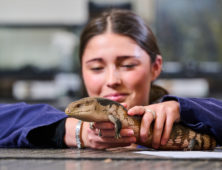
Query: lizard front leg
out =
(118, 125)
(191, 144)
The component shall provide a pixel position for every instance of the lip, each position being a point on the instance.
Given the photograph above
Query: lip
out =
(118, 97)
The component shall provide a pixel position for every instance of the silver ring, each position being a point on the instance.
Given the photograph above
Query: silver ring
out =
(100, 134)
(91, 125)
(151, 111)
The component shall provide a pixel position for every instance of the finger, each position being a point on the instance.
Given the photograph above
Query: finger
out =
(126, 132)
(114, 145)
(167, 131)
(158, 129)
(110, 141)
(104, 125)
(136, 110)
(105, 133)
(145, 126)
(124, 105)
(108, 145)
(97, 142)
(111, 133)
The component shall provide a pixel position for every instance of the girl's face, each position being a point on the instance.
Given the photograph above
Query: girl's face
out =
(115, 67)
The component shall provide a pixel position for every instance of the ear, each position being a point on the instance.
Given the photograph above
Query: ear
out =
(156, 67)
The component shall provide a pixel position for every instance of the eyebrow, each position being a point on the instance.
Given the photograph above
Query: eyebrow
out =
(118, 58)
(95, 59)
(126, 57)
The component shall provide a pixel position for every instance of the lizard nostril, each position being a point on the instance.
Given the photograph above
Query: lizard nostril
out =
(67, 111)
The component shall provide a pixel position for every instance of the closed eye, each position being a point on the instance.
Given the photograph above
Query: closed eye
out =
(96, 68)
(128, 65)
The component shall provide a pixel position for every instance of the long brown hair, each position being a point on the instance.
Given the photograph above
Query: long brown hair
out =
(123, 22)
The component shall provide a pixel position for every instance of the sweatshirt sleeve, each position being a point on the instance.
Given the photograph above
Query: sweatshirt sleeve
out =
(17, 120)
(203, 115)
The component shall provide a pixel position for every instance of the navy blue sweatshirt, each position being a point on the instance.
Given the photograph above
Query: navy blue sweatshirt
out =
(41, 125)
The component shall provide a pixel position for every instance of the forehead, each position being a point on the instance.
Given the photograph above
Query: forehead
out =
(110, 44)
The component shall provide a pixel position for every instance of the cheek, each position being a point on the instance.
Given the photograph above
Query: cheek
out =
(93, 83)
(138, 81)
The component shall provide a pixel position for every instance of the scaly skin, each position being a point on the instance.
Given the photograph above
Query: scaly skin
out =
(94, 109)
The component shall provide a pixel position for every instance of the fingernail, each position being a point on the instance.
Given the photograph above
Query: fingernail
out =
(131, 132)
(129, 113)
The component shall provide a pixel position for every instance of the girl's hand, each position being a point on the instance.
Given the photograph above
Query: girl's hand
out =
(103, 136)
(166, 114)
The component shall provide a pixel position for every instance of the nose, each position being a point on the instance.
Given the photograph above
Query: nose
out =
(113, 78)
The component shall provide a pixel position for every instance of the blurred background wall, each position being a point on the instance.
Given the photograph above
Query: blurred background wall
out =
(39, 46)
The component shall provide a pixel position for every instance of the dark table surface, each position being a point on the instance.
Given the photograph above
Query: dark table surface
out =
(86, 159)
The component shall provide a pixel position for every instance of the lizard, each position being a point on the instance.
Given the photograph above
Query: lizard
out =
(96, 109)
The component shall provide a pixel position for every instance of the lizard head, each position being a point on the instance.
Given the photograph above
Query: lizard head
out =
(91, 109)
